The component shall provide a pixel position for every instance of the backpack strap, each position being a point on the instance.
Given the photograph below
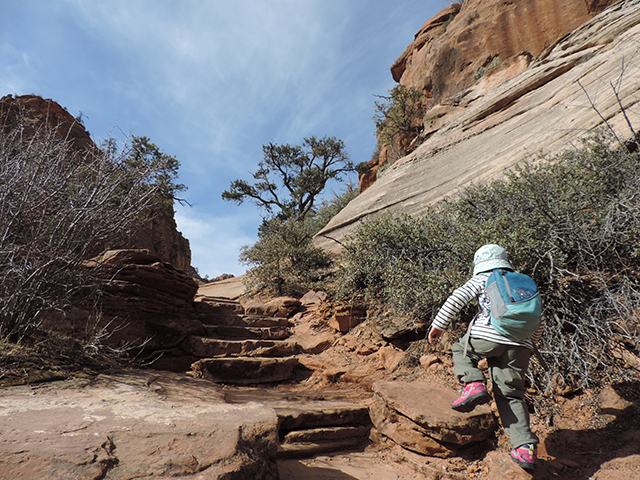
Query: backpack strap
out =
(466, 337)
(504, 277)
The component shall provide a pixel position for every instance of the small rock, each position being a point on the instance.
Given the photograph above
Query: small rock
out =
(390, 357)
(427, 360)
(313, 298)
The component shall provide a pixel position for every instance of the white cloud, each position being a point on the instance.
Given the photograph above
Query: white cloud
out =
(210, 82)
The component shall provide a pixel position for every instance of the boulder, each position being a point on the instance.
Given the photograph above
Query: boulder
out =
(138, 424)
(313, 298)
(312, 340)
(277, 307)
(347, 317)
(230, 288)
(418, 416)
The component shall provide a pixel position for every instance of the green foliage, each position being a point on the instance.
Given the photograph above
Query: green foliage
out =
(290, 178)
(471, 17)
(570, 221)
(447, 23)
(145, 155)
(495, 61)
(400, 114)
(283, 261)
(409, 264)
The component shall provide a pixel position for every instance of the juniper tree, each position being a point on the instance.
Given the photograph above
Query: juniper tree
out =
(290, 178)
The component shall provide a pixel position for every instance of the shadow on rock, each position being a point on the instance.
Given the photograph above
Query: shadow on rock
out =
(609, 452)
(296, 470)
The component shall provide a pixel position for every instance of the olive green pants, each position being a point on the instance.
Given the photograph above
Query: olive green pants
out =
(507, 368)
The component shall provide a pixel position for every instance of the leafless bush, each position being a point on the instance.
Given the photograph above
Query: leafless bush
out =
(58, 207)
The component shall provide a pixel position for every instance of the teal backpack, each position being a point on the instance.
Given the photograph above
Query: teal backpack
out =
(516, 305)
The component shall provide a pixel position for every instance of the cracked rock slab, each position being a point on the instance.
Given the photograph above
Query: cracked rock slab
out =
(133, 425)
(418, 416)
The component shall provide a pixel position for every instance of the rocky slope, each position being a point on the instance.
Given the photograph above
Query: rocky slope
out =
(542, 95)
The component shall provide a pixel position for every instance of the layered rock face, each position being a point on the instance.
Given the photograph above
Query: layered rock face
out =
(40, 111)
(541, 99)
(145, 302)
(478, 38)
(456, 44)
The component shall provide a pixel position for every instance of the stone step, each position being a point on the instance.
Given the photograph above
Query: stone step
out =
(250, 333)
(205, 347)
(321, 427)
(321, 414)
(245, 370)
(327, 434)
(308, 450)
(234, 320)
(209, 306)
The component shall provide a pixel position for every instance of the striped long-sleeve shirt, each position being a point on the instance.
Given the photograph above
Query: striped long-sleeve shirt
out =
(481, 324)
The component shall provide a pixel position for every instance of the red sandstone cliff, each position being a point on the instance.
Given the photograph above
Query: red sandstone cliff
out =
(475, 40)
(542, 96)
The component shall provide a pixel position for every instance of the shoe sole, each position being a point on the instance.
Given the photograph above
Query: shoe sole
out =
(471, 403)
(524, 465)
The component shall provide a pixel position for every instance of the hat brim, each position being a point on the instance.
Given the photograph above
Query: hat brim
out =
(491, 264)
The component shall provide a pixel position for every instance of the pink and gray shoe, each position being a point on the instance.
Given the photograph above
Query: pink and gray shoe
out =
(525, 455)
(473, 394)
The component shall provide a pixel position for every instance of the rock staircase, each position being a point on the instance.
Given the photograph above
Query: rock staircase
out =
(314, 428)
(311, 424)
(241, 348)
(250, 353)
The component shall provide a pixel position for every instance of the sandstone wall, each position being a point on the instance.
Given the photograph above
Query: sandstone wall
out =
(497, 122)
(473, 41)
(442, 61)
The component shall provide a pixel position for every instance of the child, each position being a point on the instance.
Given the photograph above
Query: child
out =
(508, 359)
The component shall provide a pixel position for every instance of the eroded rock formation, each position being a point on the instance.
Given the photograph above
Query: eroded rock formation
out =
(417, 415)
(145, 301)
(502, 119)
(137, 424)
(471, 42)
(455, 45)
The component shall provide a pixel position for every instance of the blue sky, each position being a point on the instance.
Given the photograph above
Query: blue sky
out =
(210, 82)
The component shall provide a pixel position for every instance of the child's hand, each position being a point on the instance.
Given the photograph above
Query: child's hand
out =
(434, 335)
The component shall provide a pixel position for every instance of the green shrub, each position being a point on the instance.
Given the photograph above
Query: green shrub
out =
(284, 261)
(398, 118)
(570, 221)
(472, 17)
(495, 61)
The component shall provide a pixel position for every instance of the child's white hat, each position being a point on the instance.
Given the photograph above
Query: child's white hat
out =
(489, 257)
